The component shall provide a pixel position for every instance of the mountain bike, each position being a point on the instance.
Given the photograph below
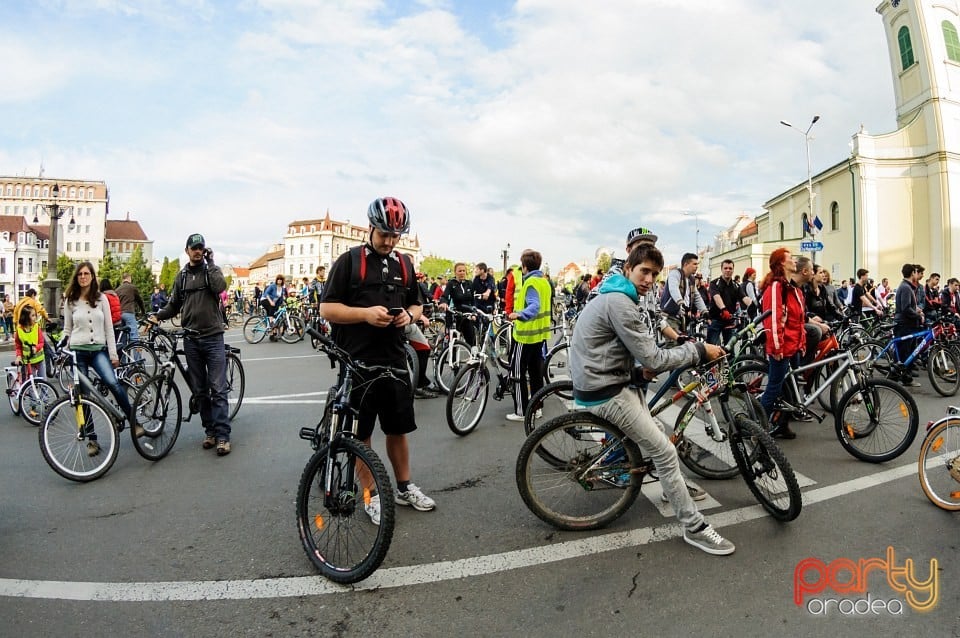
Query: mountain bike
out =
(290, 328)
(29, 396)
(341, 478)
(939, 462)
(578, 471)
(943, 364)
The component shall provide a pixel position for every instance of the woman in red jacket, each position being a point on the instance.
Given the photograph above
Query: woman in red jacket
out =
(786, 335)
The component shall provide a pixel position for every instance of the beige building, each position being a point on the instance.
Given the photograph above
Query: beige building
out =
(123, 236)
(896, 199)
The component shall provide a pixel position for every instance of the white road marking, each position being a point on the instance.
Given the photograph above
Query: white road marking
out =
(413, 574)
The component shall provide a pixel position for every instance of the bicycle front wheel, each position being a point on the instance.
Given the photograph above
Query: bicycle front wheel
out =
(942, 371)
(157, 409)
(876, 421)
(294, 330)
(548, 402)
(79, 442)
(36, 398)
(139, 356)
(589, 483)
(556, 367)
(467, 398)
(255, 329)
(337, 535)
(13, 392)
(765, 469)
(236, 384)
(698, 447)
(940, 465)
(448, 366)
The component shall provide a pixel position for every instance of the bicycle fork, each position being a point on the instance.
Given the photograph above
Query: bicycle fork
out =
(711, 426)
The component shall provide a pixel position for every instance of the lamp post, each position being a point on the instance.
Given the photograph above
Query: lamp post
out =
(696, 222)
(806, 138)
(505, 253)
(51, 285)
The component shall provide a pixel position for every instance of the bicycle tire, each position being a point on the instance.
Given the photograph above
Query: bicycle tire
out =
(163, 346)
(13, 393)
(765, 469)
(502, 342)
(255, 329)
(293, 330)
(563, 495)
(325, 524)
(236, 384)
(697, 449)
(413, 366)
(825, 398)
(443, 373)
(234, 319)
(550, 401)
(157, 408)
(939, 465)
(943, 370)
(175, 320)
(65, 452)
(877, 399)
(753, 377)
(36, 398)
(556, 365)
(467, 398)
(138, 355)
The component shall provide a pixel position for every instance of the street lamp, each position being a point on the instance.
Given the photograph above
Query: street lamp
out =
(807, 138)
(505, 253)
(696, 221)
(51, 285)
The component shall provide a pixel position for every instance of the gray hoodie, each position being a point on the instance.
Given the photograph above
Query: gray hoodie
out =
(610, 336)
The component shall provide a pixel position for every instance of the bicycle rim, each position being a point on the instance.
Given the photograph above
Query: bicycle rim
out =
(766, 470)
(157, 409)
(939, 465)
(139, 357)
(293, 331)
(255, 329)
(557, 364)
(942, 371)
(36, 398)
(163, 346)
(592, 485)
(876, 422)
(548, 402)
(468, 399)
(698, 449)
(64, 445)
(13, 393)
(337, 534)
(445, 372)
(236, 384)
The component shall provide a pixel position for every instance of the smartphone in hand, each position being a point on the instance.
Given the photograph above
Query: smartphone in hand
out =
(395, 312)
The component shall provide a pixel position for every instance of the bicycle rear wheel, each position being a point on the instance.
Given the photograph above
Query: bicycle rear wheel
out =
(589, 484)
(765, 469)
(942, 369)
(36, 398)
(877, 421)
(157, 409)
(64, 440)
(293, 331)
(556, 367)
(940, 465)
(444, 371)
(236, 384)
(501, 344)
(337, 535)
(255, 329)
(13, 392)
(163, 346)
(139, 356)
(413, 366)
(467, 398)
(697, 448)
(548, 402)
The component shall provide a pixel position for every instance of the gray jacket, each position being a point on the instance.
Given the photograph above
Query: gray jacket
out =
(610, 336)
(196, 296)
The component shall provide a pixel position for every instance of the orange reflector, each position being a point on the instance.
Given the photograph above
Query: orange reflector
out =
(366, 496)
(903, 409)
(955, 495)
(318, 521)
(849, 429)
(937, 444)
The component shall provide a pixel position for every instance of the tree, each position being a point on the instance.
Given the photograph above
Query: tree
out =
(65, 268)
(603, 262)
(108, 268)
(433, 266)
(140, 274)
(169, 272)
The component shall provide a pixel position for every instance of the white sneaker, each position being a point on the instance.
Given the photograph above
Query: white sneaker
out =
(709, 540)
(414, 498)
(695, 493)
(515, 417)
(373, 509)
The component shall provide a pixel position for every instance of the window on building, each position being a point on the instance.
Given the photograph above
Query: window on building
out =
(291, 269)
(46, 191)
(302, 269)
(29, 264)
(36, 191)
(781, 231)
(6, 210)
(17, 190)
(906, 48)
(9, 189)
(301, 249)
(291, 254)
(951, 40)
(69, 246)
(86, 246)
(89, 194)
(80, 194)
(19, 265)
(43, 265)
(73, 192)
(3, 265)
(326, 248)
(834, 216)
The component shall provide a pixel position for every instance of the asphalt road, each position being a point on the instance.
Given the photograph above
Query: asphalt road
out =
(197, 545)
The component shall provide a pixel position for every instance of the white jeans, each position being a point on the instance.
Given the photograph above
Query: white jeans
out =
(629, 413)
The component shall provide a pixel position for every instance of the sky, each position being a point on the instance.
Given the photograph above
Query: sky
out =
(557, 125)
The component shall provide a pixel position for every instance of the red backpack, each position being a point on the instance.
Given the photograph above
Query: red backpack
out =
(114, 306)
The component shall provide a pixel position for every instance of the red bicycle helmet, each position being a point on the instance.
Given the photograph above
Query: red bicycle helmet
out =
(389, 215)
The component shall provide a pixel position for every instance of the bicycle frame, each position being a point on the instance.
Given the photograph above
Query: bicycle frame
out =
(928, 337)
(845, 361)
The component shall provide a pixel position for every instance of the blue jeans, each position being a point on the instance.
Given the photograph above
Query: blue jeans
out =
(717, 329)
(207, 365)
(129, 320)
(776, 373)
(99, 360)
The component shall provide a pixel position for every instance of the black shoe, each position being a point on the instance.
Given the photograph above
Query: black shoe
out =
(424, 393)
(433, 387)
(783, 432)
(802, 417)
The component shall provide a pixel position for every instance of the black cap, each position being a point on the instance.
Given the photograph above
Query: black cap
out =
(641, 234)
(195, 240)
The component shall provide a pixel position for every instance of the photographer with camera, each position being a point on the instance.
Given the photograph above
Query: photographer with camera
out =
(196, 296)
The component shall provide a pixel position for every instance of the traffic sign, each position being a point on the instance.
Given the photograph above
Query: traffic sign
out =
(811, 246)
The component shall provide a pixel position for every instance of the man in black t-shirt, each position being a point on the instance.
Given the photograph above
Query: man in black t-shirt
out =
(725, 296)
(360, 309)
(862, 300)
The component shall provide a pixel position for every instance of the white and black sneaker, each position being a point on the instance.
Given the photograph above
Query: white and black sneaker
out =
(709, 540)
(414, 498)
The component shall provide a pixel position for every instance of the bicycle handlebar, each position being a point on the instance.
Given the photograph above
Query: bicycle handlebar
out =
(747, 328)
(336, 353)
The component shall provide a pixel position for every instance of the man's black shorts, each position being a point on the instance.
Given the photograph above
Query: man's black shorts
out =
(390, 400)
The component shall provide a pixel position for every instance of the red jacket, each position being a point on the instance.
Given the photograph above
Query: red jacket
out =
(786, 335)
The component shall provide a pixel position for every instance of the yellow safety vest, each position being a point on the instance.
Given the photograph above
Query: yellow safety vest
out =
(28, 344)
(538, 328)
(518, 304)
